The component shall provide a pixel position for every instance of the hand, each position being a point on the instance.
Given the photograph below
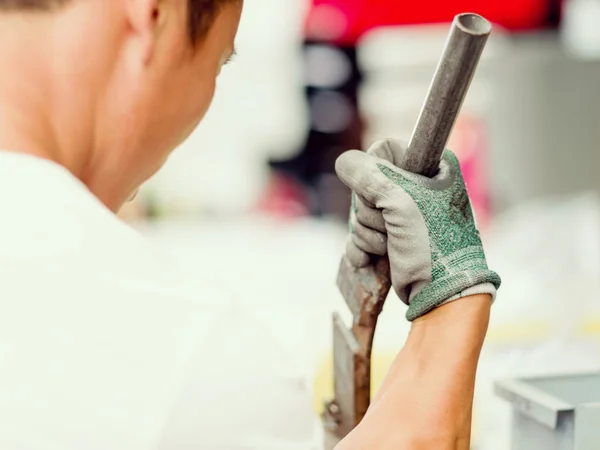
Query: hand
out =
(425, 225)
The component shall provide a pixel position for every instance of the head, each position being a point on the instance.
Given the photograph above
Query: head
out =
(113, 85)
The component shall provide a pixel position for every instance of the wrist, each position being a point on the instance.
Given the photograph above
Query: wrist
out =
(432, 380)
(443, 347)
(456, 329)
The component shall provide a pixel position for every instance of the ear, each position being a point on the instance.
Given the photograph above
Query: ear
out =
(145, 18)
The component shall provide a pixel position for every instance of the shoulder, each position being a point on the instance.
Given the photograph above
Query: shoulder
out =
(106, 336)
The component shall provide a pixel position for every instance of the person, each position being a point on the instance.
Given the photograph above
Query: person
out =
(102, 343)
(105, 343)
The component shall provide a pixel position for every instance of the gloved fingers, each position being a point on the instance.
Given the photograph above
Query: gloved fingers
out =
(392, 150)
(361, 173)
(364, 201)
(368, 216)
(356, 256)
(367, 239)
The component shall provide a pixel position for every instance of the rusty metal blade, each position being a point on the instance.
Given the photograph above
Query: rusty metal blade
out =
(365, 289)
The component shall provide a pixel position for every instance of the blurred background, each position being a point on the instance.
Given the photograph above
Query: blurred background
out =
(251, 199)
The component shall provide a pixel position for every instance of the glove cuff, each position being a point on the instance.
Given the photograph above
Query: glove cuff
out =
(472, 272)
(485, 288)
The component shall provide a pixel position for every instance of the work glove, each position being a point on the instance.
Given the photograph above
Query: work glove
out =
(425, 225)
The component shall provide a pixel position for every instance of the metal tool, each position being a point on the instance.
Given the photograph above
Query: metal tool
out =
(366, 289)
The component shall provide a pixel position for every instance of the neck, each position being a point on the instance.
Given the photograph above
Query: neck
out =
(49, 116)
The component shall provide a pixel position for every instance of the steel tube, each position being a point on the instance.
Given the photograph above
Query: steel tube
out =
(465, 43)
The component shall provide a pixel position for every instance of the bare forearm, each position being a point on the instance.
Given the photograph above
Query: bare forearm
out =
(449, 338)
(431, 383)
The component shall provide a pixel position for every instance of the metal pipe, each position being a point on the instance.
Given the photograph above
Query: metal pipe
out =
(466, 41)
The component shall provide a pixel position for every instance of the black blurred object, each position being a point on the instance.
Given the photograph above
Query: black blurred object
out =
(554, 14)
(332, 82)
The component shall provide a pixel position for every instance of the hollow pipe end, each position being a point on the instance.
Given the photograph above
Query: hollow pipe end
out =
(473, 24)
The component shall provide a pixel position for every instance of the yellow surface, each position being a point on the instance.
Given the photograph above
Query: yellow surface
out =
(323, 383)
(591, 327)
(518, 332)
(535, 331)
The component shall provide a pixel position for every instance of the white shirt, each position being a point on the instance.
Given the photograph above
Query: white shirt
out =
(103, 346)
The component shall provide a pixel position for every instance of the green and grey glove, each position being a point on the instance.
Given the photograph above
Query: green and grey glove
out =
(425, 225)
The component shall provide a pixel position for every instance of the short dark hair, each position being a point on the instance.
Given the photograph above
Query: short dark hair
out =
(201, 13)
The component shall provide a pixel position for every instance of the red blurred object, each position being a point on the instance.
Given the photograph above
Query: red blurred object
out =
(345, 21)
(284, 199)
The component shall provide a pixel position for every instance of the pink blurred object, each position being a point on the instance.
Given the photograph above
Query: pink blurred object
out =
(346, 21)
(469, 142)
(284, 199)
